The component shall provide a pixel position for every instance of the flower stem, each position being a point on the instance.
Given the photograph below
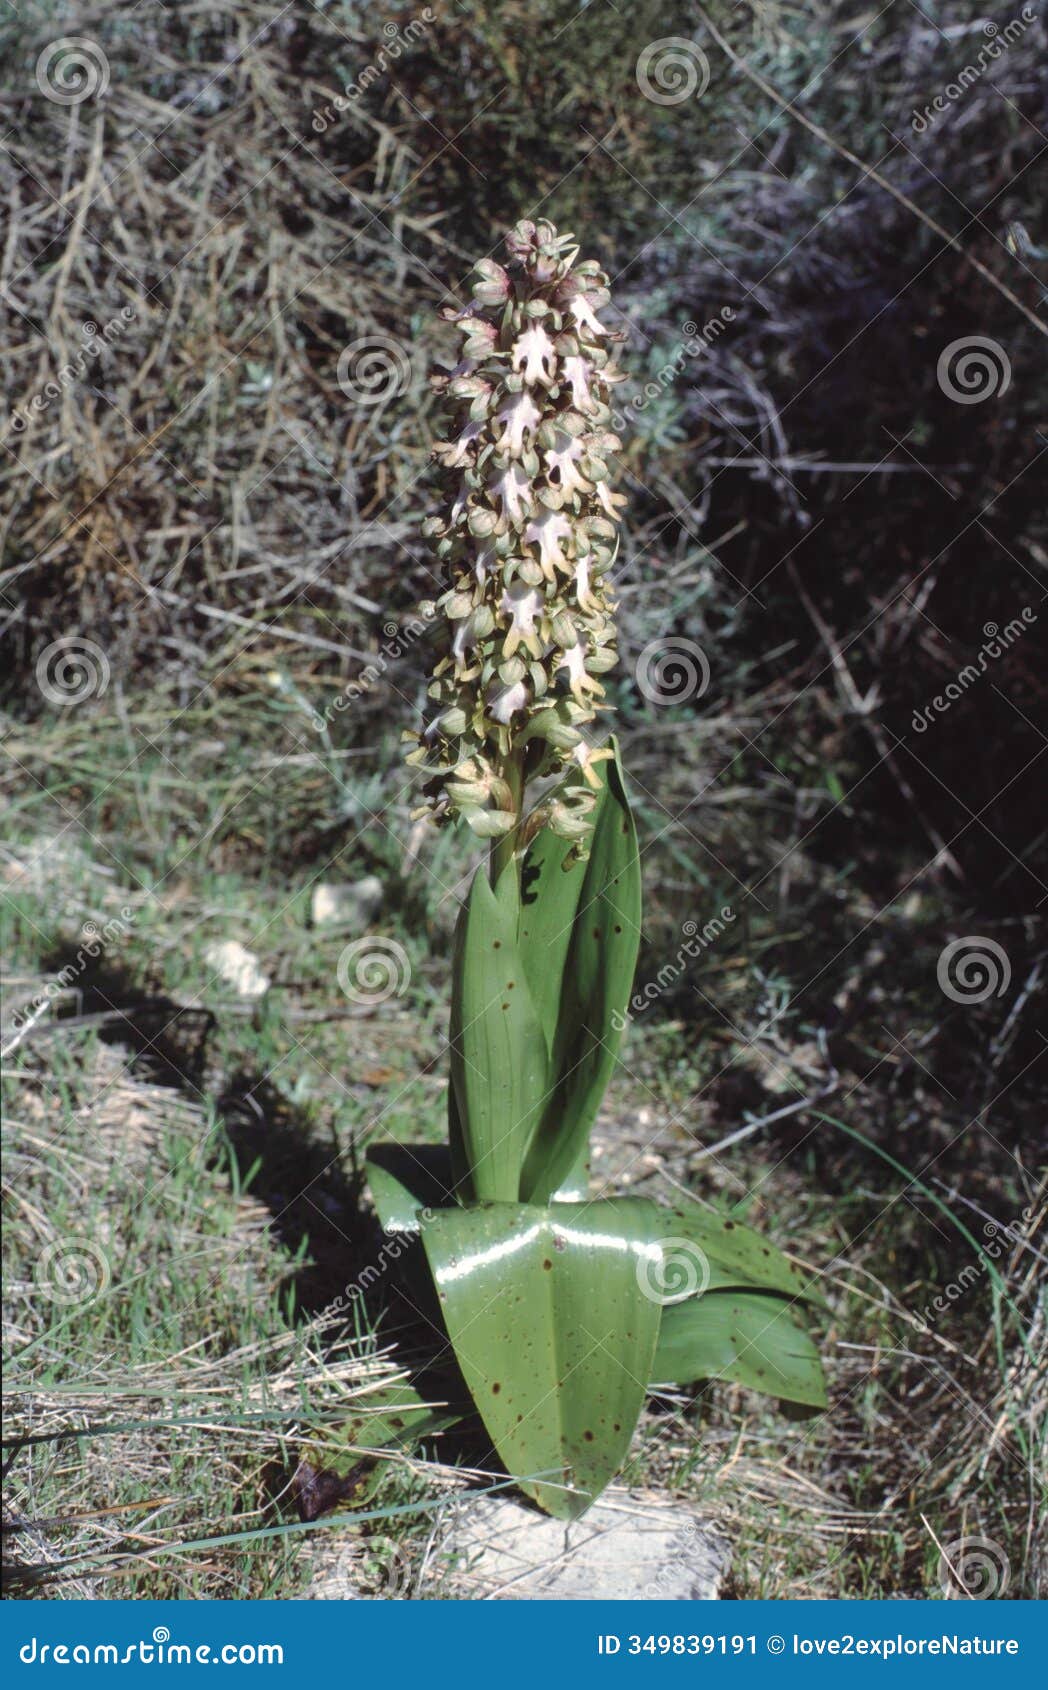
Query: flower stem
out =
(505, 849)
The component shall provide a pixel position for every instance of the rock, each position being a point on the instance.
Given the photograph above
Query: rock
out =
(352, 905)
(237, 967)
(621, 1550)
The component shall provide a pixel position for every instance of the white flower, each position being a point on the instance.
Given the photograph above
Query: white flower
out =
(534, 350)
(513, 488)
(453, 454)
(576, 370)
(522, 604)
(521, 416)
(561, 460)
(582, 581)
(585, 756)
(524, 543)
(574, 661)
(463, 641)
(484, 563)
(504, 702)
(548, 529)
(583, 314)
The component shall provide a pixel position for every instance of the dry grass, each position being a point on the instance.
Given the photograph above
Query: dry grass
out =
(209, 460)
(156, 1387)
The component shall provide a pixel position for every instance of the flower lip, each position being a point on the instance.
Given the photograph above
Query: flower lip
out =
(536, 352)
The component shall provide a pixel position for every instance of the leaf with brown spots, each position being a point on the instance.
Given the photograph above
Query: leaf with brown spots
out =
(560, 1381)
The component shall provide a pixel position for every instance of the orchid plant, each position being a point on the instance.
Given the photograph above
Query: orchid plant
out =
(563, 1307)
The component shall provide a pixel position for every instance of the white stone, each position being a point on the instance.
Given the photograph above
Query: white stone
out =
(349, 905)
(625, 1548)
(237, 967)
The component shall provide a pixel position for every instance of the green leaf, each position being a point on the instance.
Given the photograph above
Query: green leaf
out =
(405, 1178)
(461, 1177)
(748, 1338)
(595, 987)
(549, 897)
(728, 1254)
(554, 1334)
(574, 1187)
(499, 1058)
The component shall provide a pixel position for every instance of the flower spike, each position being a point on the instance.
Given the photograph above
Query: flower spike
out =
(526, 536)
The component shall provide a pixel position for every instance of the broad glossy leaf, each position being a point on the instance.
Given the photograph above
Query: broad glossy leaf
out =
(598, 978)
(729, 1254)
(574, 1187)
(748, 1338)
(499, 1059)
(405, 1178)
(553, 1332)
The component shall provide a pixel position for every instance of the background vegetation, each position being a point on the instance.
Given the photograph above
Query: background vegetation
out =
(238, 539)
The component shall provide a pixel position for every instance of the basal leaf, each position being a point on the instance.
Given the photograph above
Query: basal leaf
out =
(499, 1059)
(727, 1253)
(554, 1333)
(405, 1178)
(598, 976)
(574, 1187)
(748, 1338)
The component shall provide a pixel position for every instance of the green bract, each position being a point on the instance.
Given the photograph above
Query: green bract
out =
(562, 1309)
